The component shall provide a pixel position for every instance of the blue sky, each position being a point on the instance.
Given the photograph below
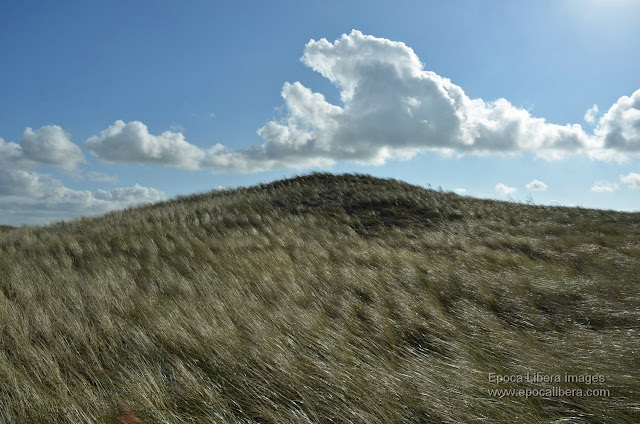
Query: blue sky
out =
(104, 105)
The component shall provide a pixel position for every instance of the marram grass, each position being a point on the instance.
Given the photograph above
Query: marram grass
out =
(323, 299)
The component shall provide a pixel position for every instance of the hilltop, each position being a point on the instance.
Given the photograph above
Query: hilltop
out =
(326, 299)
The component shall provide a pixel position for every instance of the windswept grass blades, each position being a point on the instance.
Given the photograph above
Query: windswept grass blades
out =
(320, 299)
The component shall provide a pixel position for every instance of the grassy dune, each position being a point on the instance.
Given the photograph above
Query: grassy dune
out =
(321, 299)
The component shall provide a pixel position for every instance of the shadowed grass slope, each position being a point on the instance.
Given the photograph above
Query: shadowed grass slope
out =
(320, 299)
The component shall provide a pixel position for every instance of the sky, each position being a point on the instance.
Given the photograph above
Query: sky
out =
(104, 105)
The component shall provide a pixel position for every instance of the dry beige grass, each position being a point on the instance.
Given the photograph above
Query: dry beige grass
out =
(321, 299)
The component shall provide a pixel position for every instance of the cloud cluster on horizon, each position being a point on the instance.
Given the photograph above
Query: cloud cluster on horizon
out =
(30, 196)
(631, 180)
(37, 198)
(393, 109)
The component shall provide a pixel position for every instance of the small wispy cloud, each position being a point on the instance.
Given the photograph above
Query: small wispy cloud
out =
(206, 115)
(590, 116)
(460, 190)
(604, 188)
(632, 180)
(101, 177)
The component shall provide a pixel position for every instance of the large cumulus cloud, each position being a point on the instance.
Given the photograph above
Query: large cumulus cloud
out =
(392, 108)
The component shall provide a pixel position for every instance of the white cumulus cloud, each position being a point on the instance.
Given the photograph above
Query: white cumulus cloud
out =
(536, 185)
(632, 180)
(505, 189)
(48, 145)
(619, 127)
(51, 145)
(132, 143)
